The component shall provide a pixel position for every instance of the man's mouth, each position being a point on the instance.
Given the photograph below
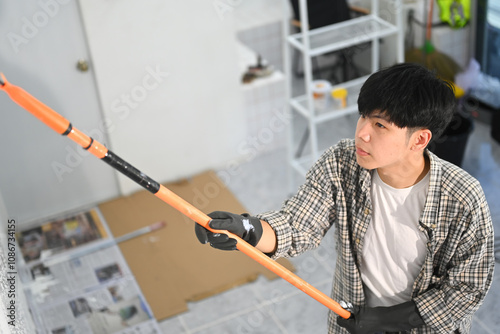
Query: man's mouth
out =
(361, 152)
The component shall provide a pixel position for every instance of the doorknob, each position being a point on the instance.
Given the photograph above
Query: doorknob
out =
(82, 65)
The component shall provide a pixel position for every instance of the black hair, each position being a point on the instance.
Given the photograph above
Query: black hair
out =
(410, 96)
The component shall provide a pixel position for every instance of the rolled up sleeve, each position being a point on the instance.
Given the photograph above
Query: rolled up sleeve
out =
(304, 219)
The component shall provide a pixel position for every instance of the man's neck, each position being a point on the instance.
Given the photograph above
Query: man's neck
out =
(407, 175)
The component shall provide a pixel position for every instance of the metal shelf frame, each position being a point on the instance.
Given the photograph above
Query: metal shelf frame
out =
(311, 43)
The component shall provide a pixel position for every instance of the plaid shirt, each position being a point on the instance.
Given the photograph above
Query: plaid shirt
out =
(458, 267)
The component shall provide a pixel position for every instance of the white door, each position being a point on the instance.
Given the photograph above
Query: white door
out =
(43, 173)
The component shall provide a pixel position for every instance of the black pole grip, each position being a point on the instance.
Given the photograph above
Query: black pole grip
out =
(130, 171)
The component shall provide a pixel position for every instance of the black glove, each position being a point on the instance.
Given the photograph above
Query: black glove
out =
(367, 320)
(246, 227)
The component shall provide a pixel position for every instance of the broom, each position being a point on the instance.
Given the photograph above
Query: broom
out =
(444, 66)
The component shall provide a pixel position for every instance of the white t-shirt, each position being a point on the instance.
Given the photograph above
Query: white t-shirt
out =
(394, 246)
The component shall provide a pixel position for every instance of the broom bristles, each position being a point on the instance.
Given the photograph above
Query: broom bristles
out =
(445, 66)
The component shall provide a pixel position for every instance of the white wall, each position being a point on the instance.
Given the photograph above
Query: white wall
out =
(189, 118)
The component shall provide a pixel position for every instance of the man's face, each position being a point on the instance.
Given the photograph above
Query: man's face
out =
(380, 143)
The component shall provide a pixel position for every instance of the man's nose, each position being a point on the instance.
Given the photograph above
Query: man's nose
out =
(363, 131)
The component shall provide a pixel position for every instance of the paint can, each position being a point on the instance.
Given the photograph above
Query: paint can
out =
(321, 94)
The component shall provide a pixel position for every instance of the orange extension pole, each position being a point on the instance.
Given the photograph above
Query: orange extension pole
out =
(62, 126)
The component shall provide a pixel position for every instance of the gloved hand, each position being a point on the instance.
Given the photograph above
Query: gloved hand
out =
(368, 320)
(246, 227)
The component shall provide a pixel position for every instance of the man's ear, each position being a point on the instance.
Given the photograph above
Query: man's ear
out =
(420, 139)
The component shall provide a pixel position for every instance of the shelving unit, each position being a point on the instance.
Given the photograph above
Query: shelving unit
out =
(311, 43)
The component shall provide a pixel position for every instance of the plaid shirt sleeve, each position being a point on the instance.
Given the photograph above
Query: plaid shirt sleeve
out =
(461, 256)
(305, 218)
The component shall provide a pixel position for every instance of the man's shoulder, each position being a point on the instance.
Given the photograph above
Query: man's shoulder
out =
(344, 148)
(458, 183)
(340, 154)
(459, 189)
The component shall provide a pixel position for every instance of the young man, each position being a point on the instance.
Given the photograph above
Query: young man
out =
(413, 232)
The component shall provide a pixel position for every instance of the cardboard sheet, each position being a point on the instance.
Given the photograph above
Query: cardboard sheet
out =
(170, 265)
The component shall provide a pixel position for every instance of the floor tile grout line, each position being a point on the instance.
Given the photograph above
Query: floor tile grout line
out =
(245, 311)
(326, 267)
(292, 294)
(184, 325)
(225, 318)
(483, 325)
(273, 315)
(278, 323)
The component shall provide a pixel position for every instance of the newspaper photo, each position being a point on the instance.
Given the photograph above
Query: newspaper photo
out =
(59, 235)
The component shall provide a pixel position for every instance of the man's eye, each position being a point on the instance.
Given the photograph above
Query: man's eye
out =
(380, 125)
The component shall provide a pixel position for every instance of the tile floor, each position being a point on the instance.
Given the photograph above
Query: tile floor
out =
(277, 307)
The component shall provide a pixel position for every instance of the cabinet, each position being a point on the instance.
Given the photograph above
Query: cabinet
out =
(370, 28)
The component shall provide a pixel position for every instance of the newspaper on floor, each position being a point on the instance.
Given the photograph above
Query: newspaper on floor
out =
(86, 287)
